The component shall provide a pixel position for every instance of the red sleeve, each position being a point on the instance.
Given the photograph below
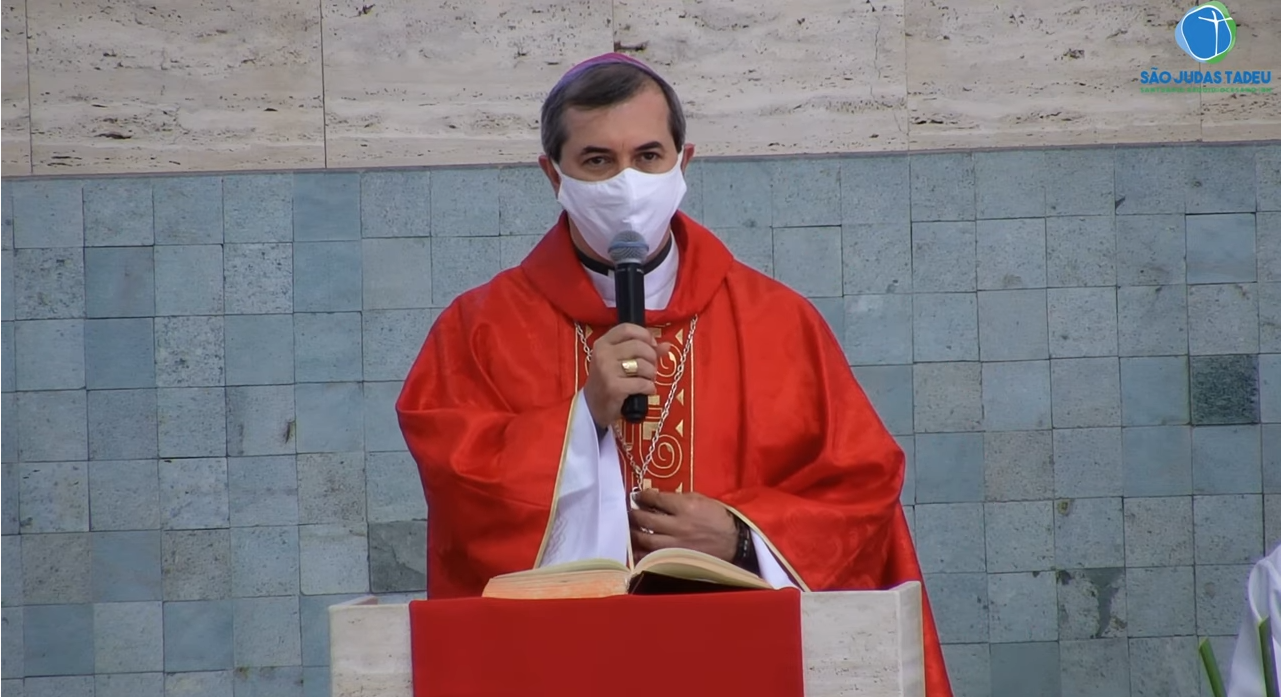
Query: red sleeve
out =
(828, 472)
(489, 473)
(824, 473)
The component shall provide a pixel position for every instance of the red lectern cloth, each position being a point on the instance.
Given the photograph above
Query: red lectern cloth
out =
(701, 645)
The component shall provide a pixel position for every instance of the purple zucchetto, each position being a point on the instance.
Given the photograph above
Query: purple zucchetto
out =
(605, 59)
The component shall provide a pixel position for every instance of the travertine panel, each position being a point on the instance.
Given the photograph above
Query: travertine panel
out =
(414, 83)
(15, 146)
(761, 76)
(91, 86)
(1033, 74)
(1231, 117)
(175, 85)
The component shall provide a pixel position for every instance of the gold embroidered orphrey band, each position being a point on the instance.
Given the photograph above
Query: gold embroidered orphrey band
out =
(668, 462)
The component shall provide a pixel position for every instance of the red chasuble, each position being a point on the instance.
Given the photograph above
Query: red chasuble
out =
(765, 417)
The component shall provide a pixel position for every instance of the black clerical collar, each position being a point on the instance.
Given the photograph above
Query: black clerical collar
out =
(604, 269)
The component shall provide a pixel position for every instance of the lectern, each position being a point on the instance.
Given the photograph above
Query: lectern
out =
(854, 644)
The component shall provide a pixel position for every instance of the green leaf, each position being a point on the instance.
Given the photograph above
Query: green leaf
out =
(1212, 669)
(1269, 658)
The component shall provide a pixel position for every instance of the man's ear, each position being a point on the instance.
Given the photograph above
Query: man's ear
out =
(687, 154)
(545, 163)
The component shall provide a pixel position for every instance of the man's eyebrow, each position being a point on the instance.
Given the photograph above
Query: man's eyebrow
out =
(598, 150)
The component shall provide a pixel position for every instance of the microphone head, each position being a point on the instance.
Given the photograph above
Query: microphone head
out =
(628, 247)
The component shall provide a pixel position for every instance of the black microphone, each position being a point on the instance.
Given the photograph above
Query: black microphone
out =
(628, 251)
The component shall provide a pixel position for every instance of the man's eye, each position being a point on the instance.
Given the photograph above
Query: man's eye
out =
(595, 162)
(650, 156)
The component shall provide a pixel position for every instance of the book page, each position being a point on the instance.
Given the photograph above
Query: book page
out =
(577, 584)
(696, 566)
(571, 568)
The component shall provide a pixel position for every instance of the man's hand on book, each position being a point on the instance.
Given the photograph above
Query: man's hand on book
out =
(689, 521)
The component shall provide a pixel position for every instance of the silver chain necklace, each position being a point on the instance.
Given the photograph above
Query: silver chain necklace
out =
(648, 460)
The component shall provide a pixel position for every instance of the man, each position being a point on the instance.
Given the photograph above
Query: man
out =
(758, 448)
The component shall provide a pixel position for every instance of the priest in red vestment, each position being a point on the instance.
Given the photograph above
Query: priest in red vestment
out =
(759, 447)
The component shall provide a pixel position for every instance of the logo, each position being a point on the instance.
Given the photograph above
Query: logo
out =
(1207, 32)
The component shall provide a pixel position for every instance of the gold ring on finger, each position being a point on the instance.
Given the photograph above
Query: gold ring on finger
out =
(631, 367)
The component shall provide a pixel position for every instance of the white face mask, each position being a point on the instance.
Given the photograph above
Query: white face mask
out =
(630, 200)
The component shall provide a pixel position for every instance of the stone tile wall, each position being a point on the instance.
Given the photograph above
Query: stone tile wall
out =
(1080, 350)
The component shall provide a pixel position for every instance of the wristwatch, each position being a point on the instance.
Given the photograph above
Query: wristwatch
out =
(745, 552)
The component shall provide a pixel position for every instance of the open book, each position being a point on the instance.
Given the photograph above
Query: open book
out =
(665, 571)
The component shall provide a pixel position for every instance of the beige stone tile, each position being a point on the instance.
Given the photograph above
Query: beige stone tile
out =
(424, 83)
(763, 76)
(1048, 73)
(1235, 117)
(15, 134)
(175, 85)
